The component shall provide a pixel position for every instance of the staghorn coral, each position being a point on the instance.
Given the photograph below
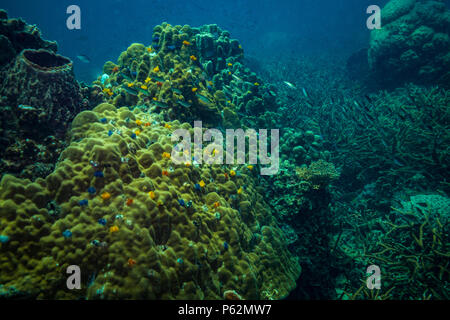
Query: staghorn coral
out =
(159, 236)
(412, 45)
(412, 249)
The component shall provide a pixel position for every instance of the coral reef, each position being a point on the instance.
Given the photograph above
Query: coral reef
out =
(187, 73)
(138, 225)
(39, 97)
(43, 81)
(386, 146)
(400, 143)
(413, 44)
(16, 35)
(412, 249)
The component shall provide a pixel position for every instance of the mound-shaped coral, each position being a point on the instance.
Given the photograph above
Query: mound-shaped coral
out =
(187, 73)
(138, 225)
(413, 44)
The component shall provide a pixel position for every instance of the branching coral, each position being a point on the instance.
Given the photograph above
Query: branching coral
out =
(412, 249)
(319, 174)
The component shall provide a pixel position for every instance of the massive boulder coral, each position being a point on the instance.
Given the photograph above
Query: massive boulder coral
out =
(413, 44)
(139, 226)
(186, 73)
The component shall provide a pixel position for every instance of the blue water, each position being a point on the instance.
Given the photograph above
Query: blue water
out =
(266, 28)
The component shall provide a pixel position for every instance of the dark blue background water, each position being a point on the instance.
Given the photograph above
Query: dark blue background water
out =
(265, 28)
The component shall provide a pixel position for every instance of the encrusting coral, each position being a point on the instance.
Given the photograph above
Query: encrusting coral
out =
(138, 225)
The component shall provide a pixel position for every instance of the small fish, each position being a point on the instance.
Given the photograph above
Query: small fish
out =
(177, 91)
(236, 78)
(160, 104)
(305, 93)
(398, 163)
(129, 90)
(126, 77)
(290, 85)
(4, 239)
(171, 47)
(203, 98)
(145, 92)
(157, 79)
(184, 103)
(95, 243)
(84, 58)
